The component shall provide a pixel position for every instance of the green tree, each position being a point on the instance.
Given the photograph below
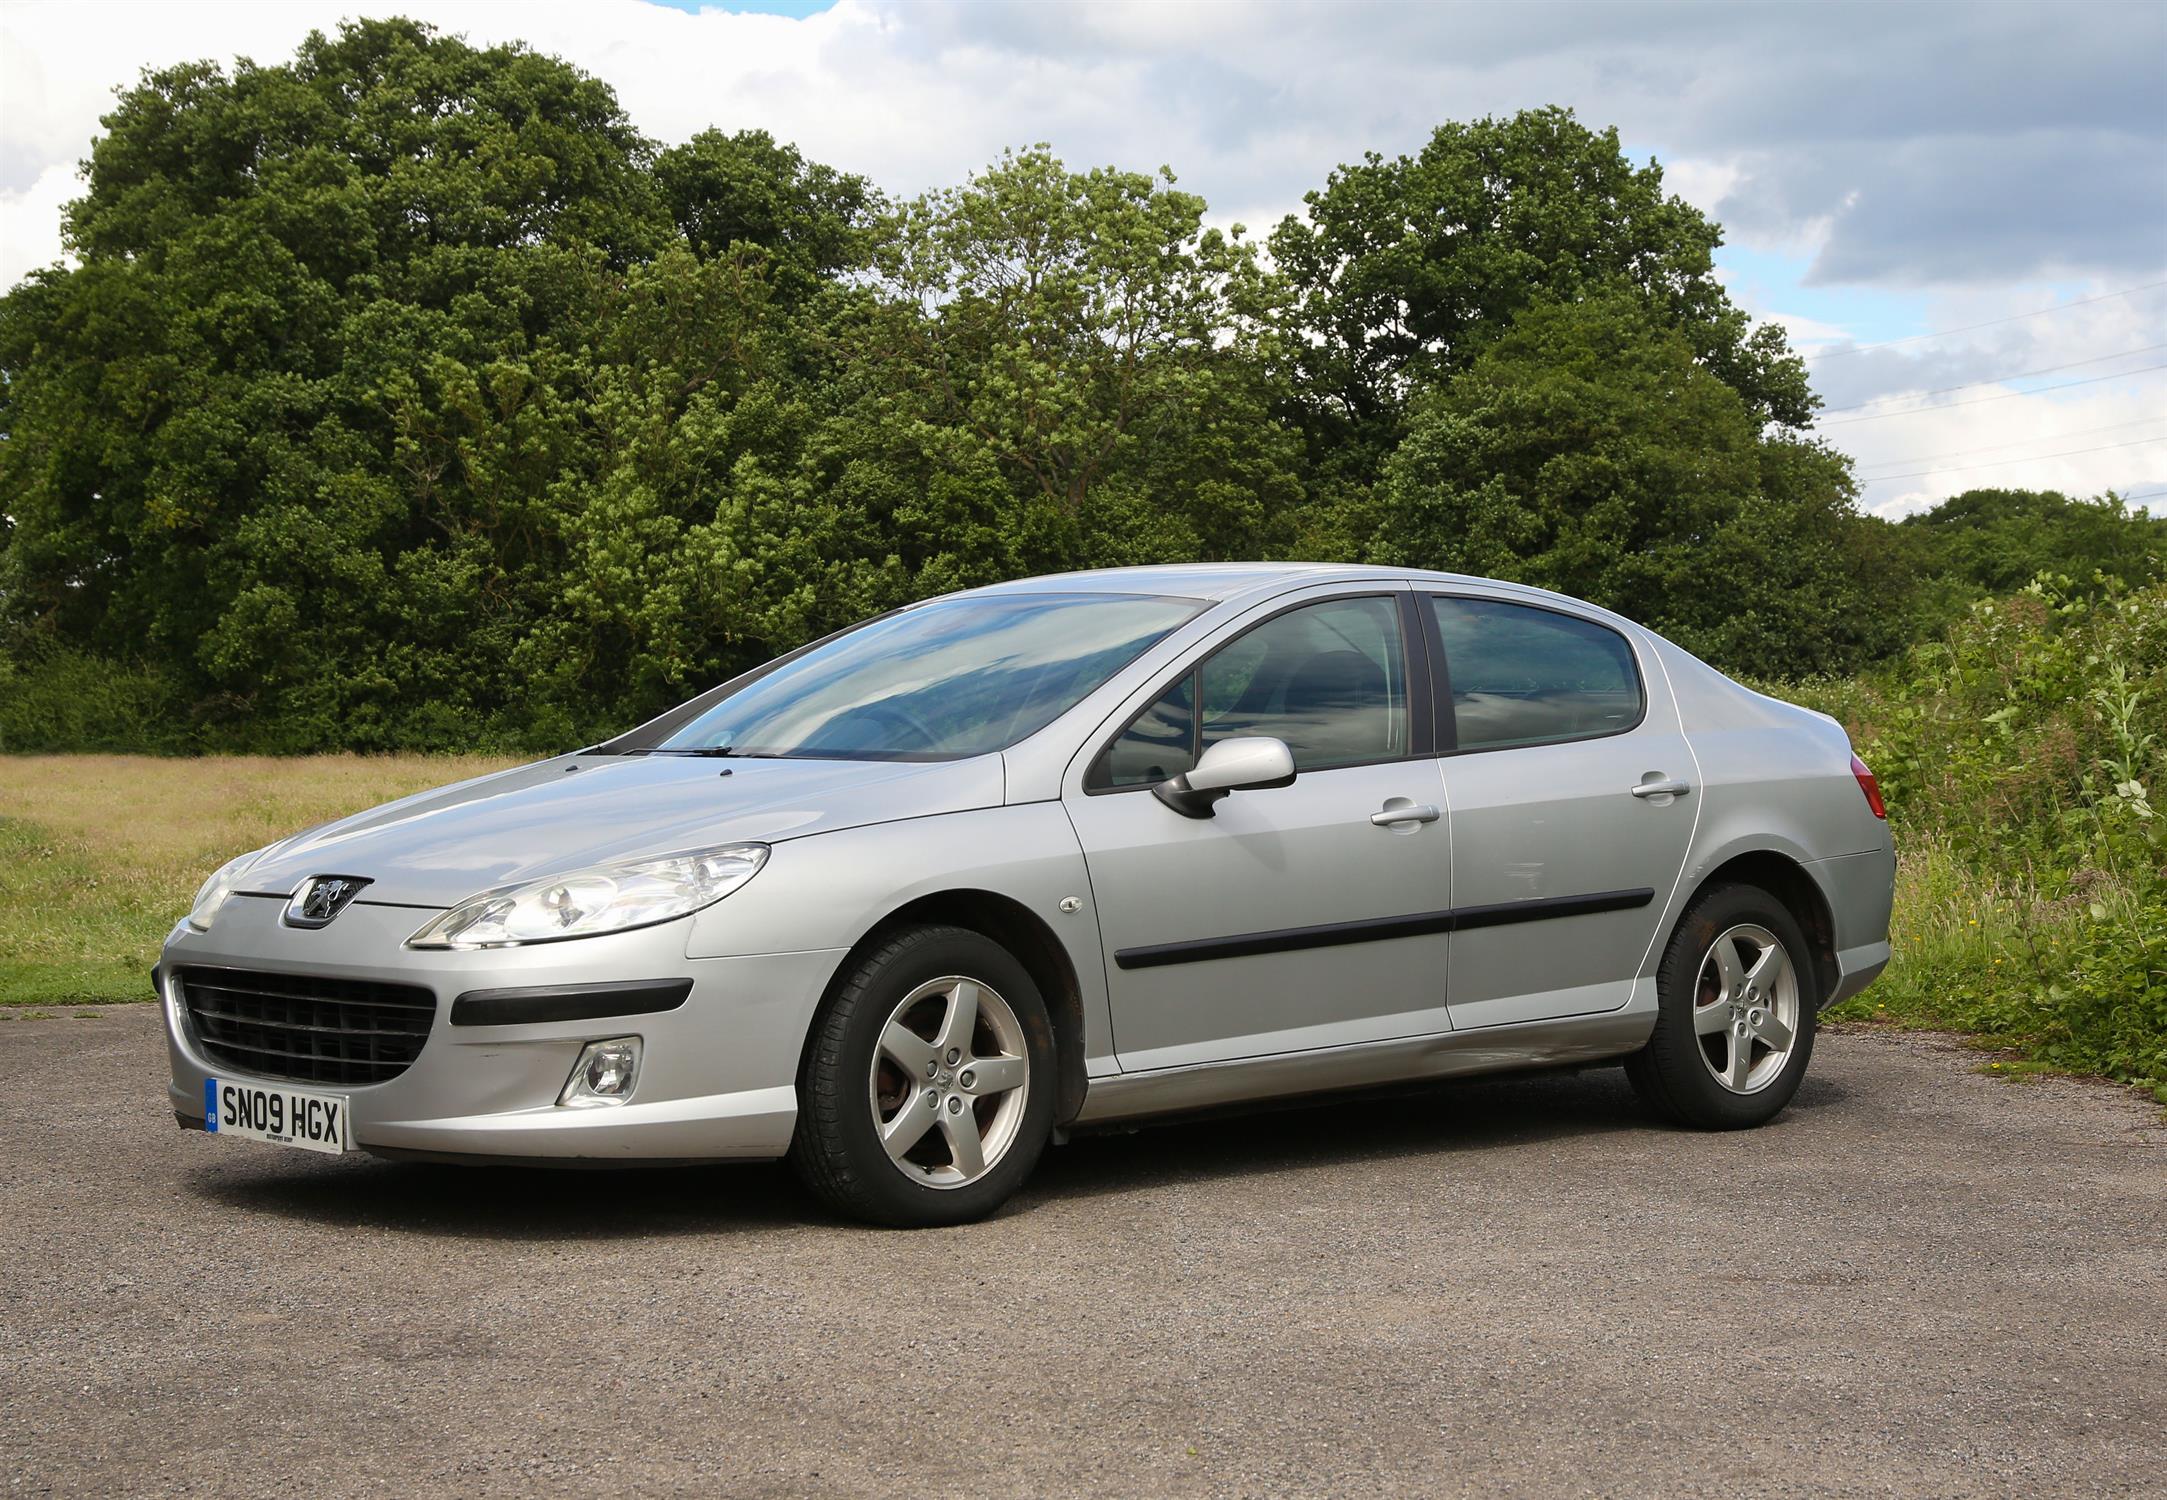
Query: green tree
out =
(403, 394)
(1999, 540)
(745, 189)
(289, 429)
(682, 552)
(1086, 340)
(1588, 450)
(1406, 269)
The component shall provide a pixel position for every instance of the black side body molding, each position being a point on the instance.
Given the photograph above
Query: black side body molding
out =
(1505, 913)
(1378, 929)
(568, 1002)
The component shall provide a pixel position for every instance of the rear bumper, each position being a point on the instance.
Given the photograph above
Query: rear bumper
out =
(1861, 892)
(717, 1075)
(1857, 968)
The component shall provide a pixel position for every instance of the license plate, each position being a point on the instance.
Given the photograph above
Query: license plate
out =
(278, 1114)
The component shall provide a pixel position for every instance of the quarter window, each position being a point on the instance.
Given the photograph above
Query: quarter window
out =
(1160, 742)
(1526, 676)
(1330, 679)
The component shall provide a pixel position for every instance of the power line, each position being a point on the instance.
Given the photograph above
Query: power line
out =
(2048, 437)
(2074, 364)
(1997, 463)
(1920, 411)
(2146, 495)
(1940, 333)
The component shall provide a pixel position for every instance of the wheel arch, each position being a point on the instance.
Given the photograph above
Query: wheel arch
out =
(1023, 933)
(1791, 883)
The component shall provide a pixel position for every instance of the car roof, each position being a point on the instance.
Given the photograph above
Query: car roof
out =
(1233, 580)
(1180, 580)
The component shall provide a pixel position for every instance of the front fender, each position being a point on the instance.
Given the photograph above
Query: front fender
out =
(829, 890)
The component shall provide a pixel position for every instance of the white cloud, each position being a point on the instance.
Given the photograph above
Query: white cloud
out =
(2110, 436)
(1805, 332)
(2109, 432)
(30, 220)
(1702, 182)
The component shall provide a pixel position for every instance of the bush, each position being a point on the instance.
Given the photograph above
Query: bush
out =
(2019, 754)
(59, 699)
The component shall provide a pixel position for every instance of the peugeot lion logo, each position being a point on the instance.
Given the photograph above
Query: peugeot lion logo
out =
(320, 898)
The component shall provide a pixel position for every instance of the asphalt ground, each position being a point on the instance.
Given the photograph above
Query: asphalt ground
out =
(1919, 1280)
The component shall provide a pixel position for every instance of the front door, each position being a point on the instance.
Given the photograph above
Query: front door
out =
(1298, 916)
(1565, 854)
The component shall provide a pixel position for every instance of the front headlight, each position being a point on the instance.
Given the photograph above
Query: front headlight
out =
(224, 881)
(607, 898)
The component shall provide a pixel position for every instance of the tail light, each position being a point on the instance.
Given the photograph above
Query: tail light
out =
(1870, 787)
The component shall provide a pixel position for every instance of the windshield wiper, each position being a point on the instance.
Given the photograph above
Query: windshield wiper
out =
(698, 752)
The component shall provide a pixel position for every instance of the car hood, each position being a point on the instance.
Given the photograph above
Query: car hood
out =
(438, 848)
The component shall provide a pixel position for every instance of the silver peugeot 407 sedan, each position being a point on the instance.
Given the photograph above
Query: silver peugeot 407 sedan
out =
(908, 903)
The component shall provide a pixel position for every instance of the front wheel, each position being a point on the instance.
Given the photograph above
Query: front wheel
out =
(927, 1090)
(1736, 997)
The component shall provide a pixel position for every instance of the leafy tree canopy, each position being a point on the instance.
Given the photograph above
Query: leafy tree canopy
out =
(745, 189)
(1080, 332)
(404, 395)
(1405, 270)
(1999, 540)
(1588, 450)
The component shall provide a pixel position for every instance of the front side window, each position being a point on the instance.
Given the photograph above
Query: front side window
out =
(954, 678)
(1330, 679)
(1527, 676)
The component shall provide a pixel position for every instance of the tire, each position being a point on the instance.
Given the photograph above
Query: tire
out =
(1690, 1071)
(877, 1070)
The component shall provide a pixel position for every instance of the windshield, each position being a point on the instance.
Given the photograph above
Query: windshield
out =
(949, 679)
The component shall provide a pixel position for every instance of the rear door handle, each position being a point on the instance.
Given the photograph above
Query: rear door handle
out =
(1662, 788)
(1406, 813)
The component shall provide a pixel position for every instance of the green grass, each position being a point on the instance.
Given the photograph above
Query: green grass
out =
(1949, 927)
(2067, 983)
(2022, 754)
(100, 854)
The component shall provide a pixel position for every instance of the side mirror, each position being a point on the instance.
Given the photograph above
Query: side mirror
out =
(1247, 764)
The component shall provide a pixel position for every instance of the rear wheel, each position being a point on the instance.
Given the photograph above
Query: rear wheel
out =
(926, 1094)
(1736, 997)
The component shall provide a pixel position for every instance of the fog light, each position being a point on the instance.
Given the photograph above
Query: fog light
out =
(604, 1074)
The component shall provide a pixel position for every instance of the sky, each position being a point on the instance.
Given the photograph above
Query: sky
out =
(1958, 211)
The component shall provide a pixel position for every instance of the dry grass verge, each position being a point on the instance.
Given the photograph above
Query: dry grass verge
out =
(100, 854)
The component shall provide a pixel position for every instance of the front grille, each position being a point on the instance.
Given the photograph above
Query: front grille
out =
(307, 1029)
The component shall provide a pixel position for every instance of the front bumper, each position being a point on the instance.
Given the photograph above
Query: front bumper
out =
(717, 1076)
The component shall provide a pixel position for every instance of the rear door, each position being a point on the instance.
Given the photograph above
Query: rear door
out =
(1572, 804)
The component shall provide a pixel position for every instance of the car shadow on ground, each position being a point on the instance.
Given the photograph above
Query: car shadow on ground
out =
(1475, 1115)
(575, 1204)
(517, 1203)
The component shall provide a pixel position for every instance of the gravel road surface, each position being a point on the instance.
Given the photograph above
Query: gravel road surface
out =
(1920, 1280)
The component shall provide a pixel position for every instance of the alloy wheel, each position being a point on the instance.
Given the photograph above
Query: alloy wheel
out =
(1745, 1012)
(949, 1082)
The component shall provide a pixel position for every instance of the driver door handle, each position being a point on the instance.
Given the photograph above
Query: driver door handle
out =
(1662, 788)
(1425, 813)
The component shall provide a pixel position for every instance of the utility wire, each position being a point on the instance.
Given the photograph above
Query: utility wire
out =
(1920, 411)
(2048, 437)
(2097, 359)
(1997, 463)
(1989, 323)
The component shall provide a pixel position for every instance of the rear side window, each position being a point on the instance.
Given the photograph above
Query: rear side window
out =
(1527, 676)
(1330, 679)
